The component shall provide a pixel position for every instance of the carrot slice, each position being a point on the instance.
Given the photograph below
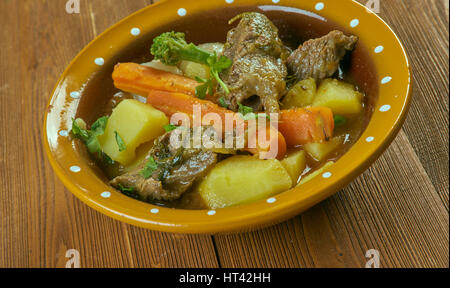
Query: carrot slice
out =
(305, 125)
(139, 79)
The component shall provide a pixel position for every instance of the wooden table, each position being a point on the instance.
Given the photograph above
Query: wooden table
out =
(400, 206)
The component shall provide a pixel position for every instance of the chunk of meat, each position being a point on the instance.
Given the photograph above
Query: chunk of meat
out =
(319, 58)
(178, 169)
(258, 67)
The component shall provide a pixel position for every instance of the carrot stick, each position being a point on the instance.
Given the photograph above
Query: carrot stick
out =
(172, 102)
(305, 125)
(139, 79)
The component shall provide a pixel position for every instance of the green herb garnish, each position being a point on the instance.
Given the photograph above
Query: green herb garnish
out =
(171, 48)
(223, 102)
(90, 137)
(244, 110)
(170, 127)
(339, 120)
(120, 142)
(149, 168)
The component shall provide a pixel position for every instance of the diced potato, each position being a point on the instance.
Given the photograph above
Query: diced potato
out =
(192, 70)
(339, 96)
(295, 164)
(156, 64)
(315, 173)
(320, 151)
(301, 95)
(212, 47)
(243, 179)
(136, 123)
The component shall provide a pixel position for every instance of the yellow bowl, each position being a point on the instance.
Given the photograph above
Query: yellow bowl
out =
(83, 179)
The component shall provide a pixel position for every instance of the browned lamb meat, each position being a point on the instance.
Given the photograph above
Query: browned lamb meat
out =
(176, 170)
(258, 68)
(319, 58)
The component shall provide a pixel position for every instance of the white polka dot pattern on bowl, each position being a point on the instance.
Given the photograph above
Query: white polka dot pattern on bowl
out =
(135, 31)
(320, 6)
(154, 211)
(182, 12)
(379, 49)
(271, 200)
(212, 212)
(75, 169)
(385, 108)
(229, 1)
(327, 175)
(75, 94)
(370, 139)
(276, 1)
(106, 194)
(64, 133)
(354, 23)
(100, 61)
(386, 80)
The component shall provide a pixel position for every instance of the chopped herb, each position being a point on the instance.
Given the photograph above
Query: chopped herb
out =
(167, 165)
(244, 110)
(126, 189)
(90, 137)
(170, 127)
(223, 102)
(120, 142)
(149, 168)
(339, 120)
(207, 88)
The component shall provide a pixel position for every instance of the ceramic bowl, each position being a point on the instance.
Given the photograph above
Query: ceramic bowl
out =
(73, 167)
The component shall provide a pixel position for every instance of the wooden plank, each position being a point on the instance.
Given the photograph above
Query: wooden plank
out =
(423, 28)
(40, 220)
(392, 208)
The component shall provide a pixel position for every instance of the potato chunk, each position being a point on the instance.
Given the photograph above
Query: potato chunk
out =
(301, 95)
(135, 123)
(319, 171)
(320, 151)
(339, 96)
(243, 179)
(192, 70)
(295, 164)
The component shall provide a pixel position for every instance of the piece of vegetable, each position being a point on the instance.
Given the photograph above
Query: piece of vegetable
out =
(339, 120)
(141, 153)
(171, 103)
(136, 123)
(272, 146)
(300, 126)
(120, 143)
(156, 64)
(149, 168)
(90, 137)
(320, 151)
(227, 184)
(295, 164)
(193, 70)
(171, 48)
(301, 95)
(139, 79)
(316, 173)
(340, 97)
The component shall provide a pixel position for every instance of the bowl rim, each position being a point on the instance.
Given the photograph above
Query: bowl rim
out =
(232, 219)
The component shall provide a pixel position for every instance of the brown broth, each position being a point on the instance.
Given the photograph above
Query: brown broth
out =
(295, 27)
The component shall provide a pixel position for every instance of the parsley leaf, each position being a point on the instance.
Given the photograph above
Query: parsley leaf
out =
(339, 120)
(202, 90)
(223, 102)
(120, 142)
(170, 127)
(149, 168)
(244, 110)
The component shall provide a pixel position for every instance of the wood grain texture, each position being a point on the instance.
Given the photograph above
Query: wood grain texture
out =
(399, 206)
